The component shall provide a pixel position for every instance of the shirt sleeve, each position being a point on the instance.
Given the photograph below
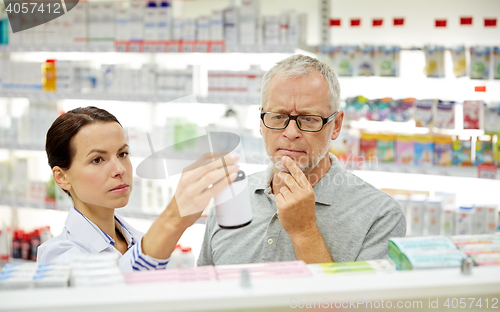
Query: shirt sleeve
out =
(206, 257)
(376, 242)
(135, 260)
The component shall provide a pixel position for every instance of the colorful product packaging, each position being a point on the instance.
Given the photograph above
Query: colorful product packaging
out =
(355, 267)
(491, 219)
(459, 63)
(472, 113)
(434, 61)
(462, 156)
(344, 60)
(365, 59)
(401, 110)
(368, 146)
(496, 62)
(424, 113)
(388, 61)
(480, 62)
(355, 108)
(484, 152)
(448, 220)
(496, 152)
(443, 151)
(445, 115)
(424, 150)
(386, 148)
(379, 109)
(404, 149)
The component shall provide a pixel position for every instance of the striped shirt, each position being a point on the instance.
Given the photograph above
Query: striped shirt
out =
(81, 236)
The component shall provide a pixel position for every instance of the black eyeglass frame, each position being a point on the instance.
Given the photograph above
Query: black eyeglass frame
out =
(294, 117)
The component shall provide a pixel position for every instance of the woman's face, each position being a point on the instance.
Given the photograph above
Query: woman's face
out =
(101, 172)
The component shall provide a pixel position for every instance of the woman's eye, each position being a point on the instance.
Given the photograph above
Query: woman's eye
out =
(123, 154)
(97, 160)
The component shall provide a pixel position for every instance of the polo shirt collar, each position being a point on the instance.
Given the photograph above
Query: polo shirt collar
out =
(324, 193)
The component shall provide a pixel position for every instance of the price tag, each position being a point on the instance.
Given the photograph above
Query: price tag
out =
(135, 47)
(159, 48)
(201, 47)
(487, 171)
(173, 47)
(188, 48)
(149, 48)
(121, 47)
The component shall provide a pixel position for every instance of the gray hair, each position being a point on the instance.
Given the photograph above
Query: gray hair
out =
(301, 65)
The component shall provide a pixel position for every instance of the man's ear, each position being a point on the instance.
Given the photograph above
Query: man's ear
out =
(338, 125)
(60, 178)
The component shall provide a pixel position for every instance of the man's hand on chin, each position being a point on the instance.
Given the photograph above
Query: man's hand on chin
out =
(296, 202)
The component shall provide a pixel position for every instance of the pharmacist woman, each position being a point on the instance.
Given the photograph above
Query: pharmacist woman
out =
(88, 154)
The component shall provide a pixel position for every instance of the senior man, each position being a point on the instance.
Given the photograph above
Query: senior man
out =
(305, 205)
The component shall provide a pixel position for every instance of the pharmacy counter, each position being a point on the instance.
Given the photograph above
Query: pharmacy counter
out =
(408, 290)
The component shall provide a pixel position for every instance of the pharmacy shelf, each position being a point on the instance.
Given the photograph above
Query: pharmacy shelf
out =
(282, 48)
(415, 289)
(122, 97)
(451, 171)
(22, 147)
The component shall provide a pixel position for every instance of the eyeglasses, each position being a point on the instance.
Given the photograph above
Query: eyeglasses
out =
(309, 123)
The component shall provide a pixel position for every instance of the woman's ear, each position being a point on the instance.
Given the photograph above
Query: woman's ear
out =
(60, 178)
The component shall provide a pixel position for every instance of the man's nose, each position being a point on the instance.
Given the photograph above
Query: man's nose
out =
(292, 131)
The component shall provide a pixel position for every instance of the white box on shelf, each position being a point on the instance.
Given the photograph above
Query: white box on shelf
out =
(150, 21)
(79, 23)
(491, 219)
(464, 220)
(433, 208)
(188, 29)
(122, 21)
(164, 21)
(217, 25)
(416, 214)
(271, 30)
(136, 20)
(203, 28)
(283, 20)
(231, 26)
(293, 28)
(177, 28)
(248, 22)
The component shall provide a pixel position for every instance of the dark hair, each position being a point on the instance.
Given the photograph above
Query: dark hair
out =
(65, 127)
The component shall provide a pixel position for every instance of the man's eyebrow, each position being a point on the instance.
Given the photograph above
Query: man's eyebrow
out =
(104, 152)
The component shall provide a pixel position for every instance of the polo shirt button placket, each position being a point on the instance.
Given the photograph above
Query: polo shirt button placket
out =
(270, 241)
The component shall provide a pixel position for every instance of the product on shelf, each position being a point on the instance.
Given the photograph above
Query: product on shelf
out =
(405, 150)
(401, 110)
(462, 152)
(424, 113)
(416, 212)
(424, 150)
(480, 62)
(349, 268)
(388, 60)
(33, 275)
(378, 109)
(484, 249)
(433, 211)
(464, 220)
(445, 115)
(496, 62)
(424, 253)
(368, 146)
(484, 220)
(459, 62)
(492, 118)
(443, 152)
(434, 61)
(284, 269)
(355, 108)
(472, 113)
(449, 220)
(484, 152)
(365, 60)
(343, 60)
(386, 148)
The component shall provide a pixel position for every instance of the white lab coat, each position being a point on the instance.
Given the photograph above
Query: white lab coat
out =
(82, 236)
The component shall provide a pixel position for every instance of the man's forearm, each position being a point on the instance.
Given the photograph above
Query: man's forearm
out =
(311, 248)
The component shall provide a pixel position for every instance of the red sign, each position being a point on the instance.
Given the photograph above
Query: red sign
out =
(440, 23)
(377, 22)
(355, 22)
(334, 21)
(399, 21)
(466, 21)
(490, 22)
(480, 89)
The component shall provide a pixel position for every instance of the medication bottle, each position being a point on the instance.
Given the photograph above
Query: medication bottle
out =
(16, 244)
(416, 214)
(35, 242)
(26, 247)
(232, 204)
(49, 76)
(433, 209)
(174, 261)
(464, 220)
(187, 258)
(4, 28)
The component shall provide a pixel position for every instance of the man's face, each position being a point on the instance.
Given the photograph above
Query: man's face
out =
(303, 95)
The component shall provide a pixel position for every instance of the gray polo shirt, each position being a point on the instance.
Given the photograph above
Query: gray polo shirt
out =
(355, 219)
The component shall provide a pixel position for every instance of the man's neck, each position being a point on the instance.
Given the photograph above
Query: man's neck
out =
(313, 176)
